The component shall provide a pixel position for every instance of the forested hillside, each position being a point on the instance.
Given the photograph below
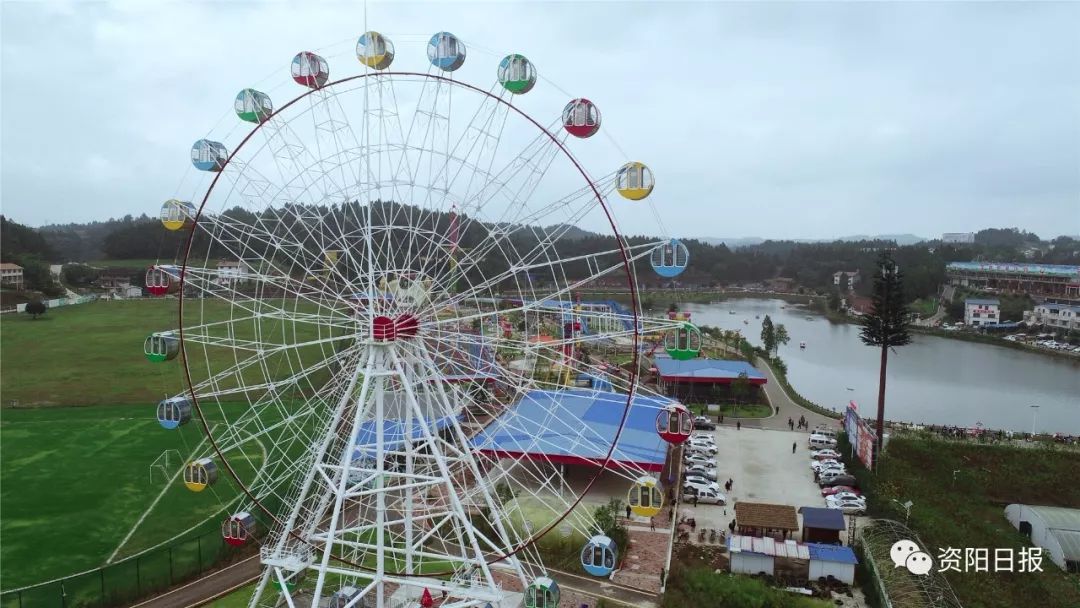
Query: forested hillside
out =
(810, 264)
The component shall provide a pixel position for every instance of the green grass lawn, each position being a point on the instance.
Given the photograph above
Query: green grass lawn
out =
(971, 512)
(92, 354)
(75, 481)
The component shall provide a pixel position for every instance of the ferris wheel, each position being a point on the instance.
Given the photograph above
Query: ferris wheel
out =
(384, 340)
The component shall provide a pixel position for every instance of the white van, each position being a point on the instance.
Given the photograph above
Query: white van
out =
(818, 441)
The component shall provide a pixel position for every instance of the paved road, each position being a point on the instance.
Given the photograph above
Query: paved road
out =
(209, 587)
(778, 397)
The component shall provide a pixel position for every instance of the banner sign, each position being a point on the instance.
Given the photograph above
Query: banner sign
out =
(860, 435)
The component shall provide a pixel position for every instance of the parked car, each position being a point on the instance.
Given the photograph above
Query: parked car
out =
(837, 480)
(819, 465)
(699, 460)
(701, 471)
(818, 441)
(837, 489)
(702, 438)
(707, 496)
(702, 423)
(853, 507)
(695, 479)
(702, 448)
(699, 484)
(824, 454)
(845, 496)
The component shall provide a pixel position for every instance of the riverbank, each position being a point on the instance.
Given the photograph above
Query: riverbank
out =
(965, 336)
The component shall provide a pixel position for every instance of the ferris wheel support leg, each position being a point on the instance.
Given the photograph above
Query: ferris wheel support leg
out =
(312, 471)
(444, 470)
(485, 487)
(284, 588)
(344, 464)
(260, 588)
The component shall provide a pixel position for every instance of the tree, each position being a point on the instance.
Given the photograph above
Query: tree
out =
(740, 387)
(35, 308)
(885, 326)
(768, 335)
(782, 337)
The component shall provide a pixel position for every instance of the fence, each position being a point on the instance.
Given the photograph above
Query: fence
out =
(58, 302)
(125, 581)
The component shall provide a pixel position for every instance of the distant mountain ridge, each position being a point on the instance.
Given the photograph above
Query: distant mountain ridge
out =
(749, 241)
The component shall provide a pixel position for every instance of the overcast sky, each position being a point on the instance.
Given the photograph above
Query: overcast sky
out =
(773, 120)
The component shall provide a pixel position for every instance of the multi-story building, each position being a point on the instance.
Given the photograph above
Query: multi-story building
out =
(11, 275)
(1057, 316)
(1055, 283)
(845, 280)
(979, 311)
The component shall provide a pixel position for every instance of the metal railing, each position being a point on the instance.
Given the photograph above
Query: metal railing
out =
(125, 581)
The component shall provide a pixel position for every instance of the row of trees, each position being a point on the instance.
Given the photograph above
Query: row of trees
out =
(26, 247)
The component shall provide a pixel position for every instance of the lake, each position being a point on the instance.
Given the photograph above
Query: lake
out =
(933, 380)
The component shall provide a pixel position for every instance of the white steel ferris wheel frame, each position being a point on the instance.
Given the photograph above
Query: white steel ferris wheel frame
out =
(308, 540)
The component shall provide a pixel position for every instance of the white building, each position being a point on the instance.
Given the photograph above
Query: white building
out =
(958, 237)
(11, 274)
(981, 312)
(228, 272)
(1058, 316)
(845, 279)
(1055, 529)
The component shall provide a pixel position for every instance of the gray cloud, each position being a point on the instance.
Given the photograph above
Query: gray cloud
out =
(804, 120)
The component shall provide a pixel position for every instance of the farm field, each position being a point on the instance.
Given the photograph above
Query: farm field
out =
(969, 511)
(79, 478)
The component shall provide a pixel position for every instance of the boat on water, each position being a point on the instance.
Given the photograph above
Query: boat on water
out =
(802, 344)
(757, 316)
(745, 322)
(731, 312)
(809, 318)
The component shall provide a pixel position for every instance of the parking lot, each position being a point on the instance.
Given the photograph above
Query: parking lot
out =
(763, 469)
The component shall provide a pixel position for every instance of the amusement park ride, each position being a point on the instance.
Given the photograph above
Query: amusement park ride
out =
(336, 345)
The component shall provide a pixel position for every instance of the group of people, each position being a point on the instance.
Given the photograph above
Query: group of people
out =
(801, 423)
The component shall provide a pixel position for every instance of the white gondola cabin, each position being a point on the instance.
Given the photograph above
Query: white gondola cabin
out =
(238, 529)
(177, 214)
(517, 74)
(542, 593)
(375, 50)
(199, 474)
(446, 52)
(161, 346)
(634, 181)
(670, 259)
(209, 155)
(309, 69)
(581, 118)
(342, 597)
(646, 497)
(674, 423)
(598, 556)
(173, 412)
(253, 106)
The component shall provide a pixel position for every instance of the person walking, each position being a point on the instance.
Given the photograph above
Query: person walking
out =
(738, 426)
(627, 511)
(695, 498)
(793, 447)
(652, 524)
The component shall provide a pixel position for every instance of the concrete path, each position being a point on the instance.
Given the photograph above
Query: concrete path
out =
(778, 397)
(603, 588)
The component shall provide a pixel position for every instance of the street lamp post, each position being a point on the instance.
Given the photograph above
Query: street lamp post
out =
(1034, 414)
